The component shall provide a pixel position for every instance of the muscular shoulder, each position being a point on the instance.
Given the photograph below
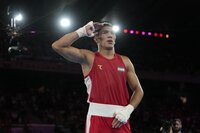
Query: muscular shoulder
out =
(127, 62)
(125, 59)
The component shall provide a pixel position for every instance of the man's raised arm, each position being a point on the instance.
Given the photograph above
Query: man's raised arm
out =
(63, 45)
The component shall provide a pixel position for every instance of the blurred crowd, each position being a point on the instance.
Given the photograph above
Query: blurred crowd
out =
(64, 105)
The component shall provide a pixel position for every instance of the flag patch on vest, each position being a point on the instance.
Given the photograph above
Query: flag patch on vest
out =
(121, 69)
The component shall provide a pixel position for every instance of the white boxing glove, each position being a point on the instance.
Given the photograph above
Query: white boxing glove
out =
(124, 114)
(89, 31)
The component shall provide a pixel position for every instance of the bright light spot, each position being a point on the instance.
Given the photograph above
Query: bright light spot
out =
(137, 32)
(149, 33)
(115, 28)
(65, 22)
(131, 31)
(18, 17)
(183, 99)
(125, 30)
(167, 35)
(155, 34)
(33, 32)
(143, 33)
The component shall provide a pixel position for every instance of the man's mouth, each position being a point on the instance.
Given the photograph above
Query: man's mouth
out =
(110, 41)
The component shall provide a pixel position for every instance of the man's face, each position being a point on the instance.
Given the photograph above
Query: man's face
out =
(106, 37)
(177, 126)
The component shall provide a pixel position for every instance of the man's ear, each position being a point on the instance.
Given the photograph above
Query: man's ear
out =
(96, 38)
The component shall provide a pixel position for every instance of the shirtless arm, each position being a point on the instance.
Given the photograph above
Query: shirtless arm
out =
(63, 46)
(122, 116)
(134, 84)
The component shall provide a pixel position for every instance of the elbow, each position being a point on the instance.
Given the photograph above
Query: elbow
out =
(141, 92)
(138, 91)
(55, 46)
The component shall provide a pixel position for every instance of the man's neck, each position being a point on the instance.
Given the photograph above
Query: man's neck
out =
(107, 53)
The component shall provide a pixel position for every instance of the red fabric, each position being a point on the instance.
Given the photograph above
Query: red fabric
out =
(108, 81)
(104, 125)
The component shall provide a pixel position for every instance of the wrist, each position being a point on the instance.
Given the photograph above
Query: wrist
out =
(81, 32)
(124, 114)
(130, 108)
(87, 30)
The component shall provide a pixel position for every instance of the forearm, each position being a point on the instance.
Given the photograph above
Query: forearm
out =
(124, 114)
(68, 39)
(136, 97)
(65, 41)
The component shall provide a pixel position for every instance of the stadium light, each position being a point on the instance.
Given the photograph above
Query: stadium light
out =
(125, 30)
(131, 31)
(116, 28)
(65, 22)
(143, 33)
(147, 33)
(137, 32)
(167, 35)
(18, 17)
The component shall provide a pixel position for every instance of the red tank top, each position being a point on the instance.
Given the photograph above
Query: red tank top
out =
(106, 82)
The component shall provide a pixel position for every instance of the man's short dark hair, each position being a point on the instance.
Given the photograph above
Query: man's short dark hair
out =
(104, 24)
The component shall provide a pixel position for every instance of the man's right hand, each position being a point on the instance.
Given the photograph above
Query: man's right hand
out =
(122, 116)
(89, 29)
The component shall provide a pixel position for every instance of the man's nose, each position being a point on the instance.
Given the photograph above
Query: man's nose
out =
(110, 35)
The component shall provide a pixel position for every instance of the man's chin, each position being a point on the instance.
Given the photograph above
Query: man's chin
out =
(109, 48)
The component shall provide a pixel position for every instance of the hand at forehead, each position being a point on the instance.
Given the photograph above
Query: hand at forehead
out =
(98, 25)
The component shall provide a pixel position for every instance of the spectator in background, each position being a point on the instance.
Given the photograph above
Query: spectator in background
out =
(166, 127)
(177, 125)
